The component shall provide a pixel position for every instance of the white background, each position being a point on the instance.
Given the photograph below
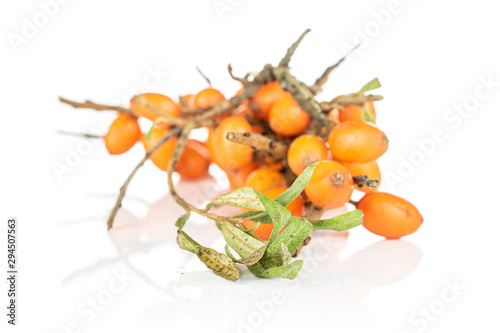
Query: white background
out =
(430, 56)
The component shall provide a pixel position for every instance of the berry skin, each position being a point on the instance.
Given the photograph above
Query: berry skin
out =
(122, 135)
(369, 169)
(228, 155)
(194, 161)
(356, 141)
(263, 100)
(304, 151)
(265, 179)
(164, 153)
(287, 118)
(237, 178)
(296, 207)
(207, 98)
(330, 186)
(186, 101)
(159, 102)
(388, 215)
(355, 112)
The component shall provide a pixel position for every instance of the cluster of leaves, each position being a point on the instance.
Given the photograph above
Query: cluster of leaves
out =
(263, 259)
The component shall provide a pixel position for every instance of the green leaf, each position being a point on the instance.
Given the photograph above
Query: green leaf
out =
(148, 134)
(261, 217)
(185, 242)
(289, 271)
(244, 244)
(219, 263)
(285, 254)
(340, 223)
(279, 214)
(372, 85)
(256, 225)
(294, 234)
(297, 187)
(243, 197)
(181, 221)
(229, 254)
(367, 116)
(255, 257)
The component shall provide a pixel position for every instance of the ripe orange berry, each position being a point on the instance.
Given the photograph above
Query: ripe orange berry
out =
(296, 207)
(330, 186)
(369, 169)
(265, 179)
(230, 155)
(355, 112)
(207, 98)
(122, 135)
(334, 116)
(186, 101)
(356, 141)
(159, 102)
(264, 98)
(194, 161)
(388, 215)
(237, 178)
(304, 151)
(287, 118)
(164, 153)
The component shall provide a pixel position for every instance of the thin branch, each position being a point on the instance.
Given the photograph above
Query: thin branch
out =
(83, 135)
(314, 213)
(204, 76)
(161, 116)
(317, 86)
(95, 106)
(241, 80)
(351, 99)
(258, 141)
(175, 131)
(291, 50)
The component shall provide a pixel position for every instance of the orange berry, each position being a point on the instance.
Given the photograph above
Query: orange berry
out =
(230, 155)
(212, 144)
(355, 112)
(369, 169)
(265, 179)
(296, 207)
(164, 153)
(237, 178)
(186, 101)
(388, 215)
(264, 98)
(122, 135)
(356, 141)
(330, 186)
(159, 102)
(194, 161)
(287, 118)
(207, 98)
(304, 151)
(334, 116)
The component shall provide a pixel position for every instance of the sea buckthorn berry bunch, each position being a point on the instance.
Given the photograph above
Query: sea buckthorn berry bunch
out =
(287, 158)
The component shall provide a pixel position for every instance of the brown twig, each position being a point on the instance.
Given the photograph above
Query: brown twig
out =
(95, 106)
(175, 131)
(291, 50)
(317, 86)
(363, 180)
(258, 141)
(241, 80)
(84, 135)
(351, 99)
(204, 76)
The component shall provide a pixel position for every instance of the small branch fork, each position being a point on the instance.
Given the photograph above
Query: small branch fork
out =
(303, 94)
(362, 181)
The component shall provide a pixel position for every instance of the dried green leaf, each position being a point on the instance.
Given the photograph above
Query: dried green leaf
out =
(340, 223)
(297, 187)
(243, 197)
(372, 85)
(367, 116)
(181, 221)
(244, 244)
(148, 134)
(294, 234)
(289, 271)
(185, 242)
(219, 263)
(285, 254)
(229, 253)
(255, 257)
(279, 214)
